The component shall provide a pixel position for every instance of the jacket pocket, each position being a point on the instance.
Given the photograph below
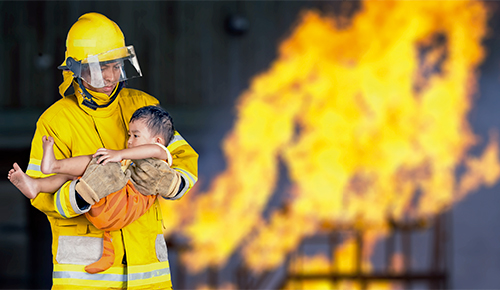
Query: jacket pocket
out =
(78, 250)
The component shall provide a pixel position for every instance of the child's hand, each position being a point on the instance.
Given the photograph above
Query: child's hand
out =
(107, 155)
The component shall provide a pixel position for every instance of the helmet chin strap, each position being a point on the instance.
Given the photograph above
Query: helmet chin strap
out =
(88, 100)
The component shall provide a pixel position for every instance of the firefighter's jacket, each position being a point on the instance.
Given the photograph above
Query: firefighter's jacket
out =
(141, 260)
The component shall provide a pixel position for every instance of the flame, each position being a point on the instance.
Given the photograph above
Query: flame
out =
(318, 265)
(344, 262)
(483, 170)
(370, 120)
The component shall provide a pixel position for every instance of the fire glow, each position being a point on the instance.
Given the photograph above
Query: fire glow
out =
(370, 121)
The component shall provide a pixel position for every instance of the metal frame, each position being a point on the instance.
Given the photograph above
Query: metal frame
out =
(435, 276)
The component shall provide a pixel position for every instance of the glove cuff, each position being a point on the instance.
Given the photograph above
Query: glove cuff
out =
(174, 186)
(86, 192)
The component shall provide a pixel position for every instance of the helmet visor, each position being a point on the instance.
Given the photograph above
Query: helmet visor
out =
(111, 67)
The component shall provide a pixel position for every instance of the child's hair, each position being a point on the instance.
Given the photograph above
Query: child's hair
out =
(158, 121)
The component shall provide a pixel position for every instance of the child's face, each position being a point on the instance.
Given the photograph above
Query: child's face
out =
(139, 134)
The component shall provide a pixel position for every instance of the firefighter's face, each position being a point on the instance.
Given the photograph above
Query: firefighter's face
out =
(110, 76)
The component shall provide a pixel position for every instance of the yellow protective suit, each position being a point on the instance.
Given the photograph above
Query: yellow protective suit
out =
(141, 260)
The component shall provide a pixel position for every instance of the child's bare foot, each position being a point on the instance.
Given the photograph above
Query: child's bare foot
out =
(23, 182)
(48, 158)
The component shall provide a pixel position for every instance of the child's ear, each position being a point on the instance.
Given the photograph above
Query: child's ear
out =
(159, 140)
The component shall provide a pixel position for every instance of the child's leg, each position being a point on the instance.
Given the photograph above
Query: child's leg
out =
(73, 166)
(30, 187)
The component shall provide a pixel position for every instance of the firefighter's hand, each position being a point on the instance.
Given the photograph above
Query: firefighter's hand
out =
(99, 181)
(154, 176)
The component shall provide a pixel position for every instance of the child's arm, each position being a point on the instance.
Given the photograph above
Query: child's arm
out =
(138, 152)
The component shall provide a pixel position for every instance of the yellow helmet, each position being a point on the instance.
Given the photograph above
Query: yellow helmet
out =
(96, 54)
(95, 44)
(92, 34)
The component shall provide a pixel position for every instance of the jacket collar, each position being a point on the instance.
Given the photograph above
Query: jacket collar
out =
(99, 99)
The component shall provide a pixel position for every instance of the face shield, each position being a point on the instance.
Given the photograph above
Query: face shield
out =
(107, 68)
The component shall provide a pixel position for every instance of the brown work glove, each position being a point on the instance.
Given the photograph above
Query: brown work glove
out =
(100, 180)
(153, 176)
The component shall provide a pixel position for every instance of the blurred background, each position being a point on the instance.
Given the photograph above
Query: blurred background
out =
(343, 144)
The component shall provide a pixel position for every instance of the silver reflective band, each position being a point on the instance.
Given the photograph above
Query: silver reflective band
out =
(33, 167)
(186, 174)
(59, 203)
(87, 276)
(148, 275)
(175, 139)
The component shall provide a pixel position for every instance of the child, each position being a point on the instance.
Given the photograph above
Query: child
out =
(142, 144)
(150, 130)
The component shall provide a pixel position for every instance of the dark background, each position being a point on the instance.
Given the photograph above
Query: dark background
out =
(196, 61)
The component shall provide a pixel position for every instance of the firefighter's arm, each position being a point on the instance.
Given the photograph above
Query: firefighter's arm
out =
(64, 202)
(184, 161)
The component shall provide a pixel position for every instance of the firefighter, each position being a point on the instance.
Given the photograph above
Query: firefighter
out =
(95, 115)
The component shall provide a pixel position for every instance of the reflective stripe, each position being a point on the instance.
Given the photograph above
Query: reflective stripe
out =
(149, 275)
(59, 203)
(34, 167)
(75, 276)
(87, 276)
(177, 137)
(192, 178)
(182, 192)
(189, 182)
(72, 199)
(176, 142)
(152, 274)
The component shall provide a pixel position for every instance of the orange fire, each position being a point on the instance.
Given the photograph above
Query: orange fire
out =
(344, 262)
(370, 121)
